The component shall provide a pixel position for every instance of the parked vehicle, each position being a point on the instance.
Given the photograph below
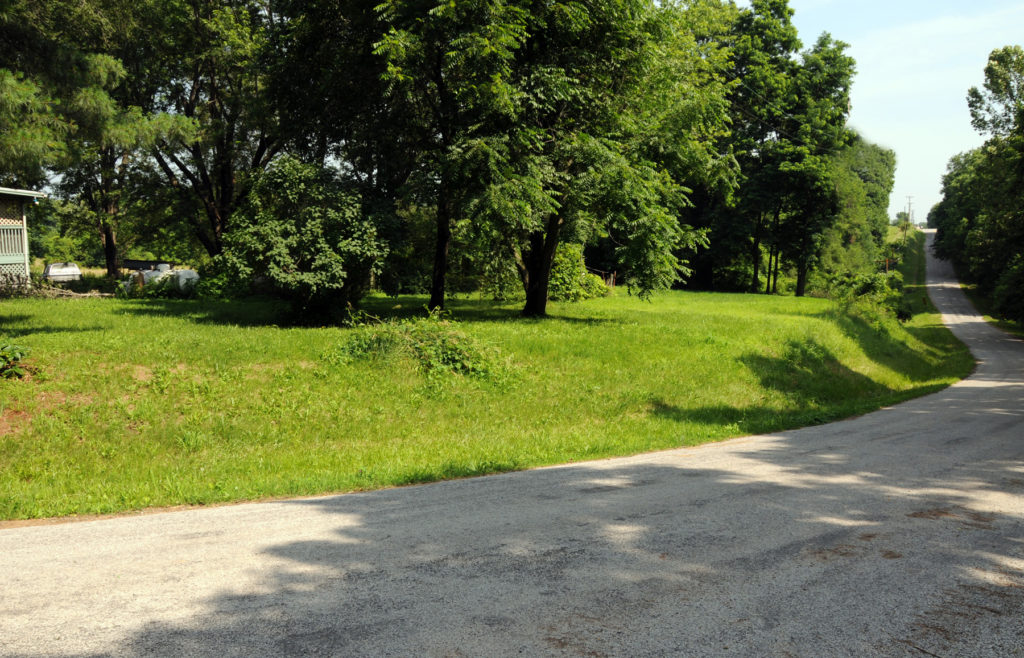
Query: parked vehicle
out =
(62, 272)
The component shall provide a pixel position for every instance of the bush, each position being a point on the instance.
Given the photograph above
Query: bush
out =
(304, 233)
(216, 281)
(433, 343)
(884, 289)
(875, 296)
(570, 280)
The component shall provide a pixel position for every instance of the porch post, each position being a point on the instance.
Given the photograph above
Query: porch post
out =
(24, 242)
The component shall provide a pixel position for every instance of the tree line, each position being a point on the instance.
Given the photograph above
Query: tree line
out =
(424, 146)
(980, 218)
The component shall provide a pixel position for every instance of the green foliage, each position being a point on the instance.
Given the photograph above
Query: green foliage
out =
(979, 219)
(435, 344)
(999, 108)
(220, 281)
(863, 175)
(875, 296)
(570, 280)
(10, 361)
(31, 132)
(789, 111)
(1008, 294)
(303, 231)
(500, 281)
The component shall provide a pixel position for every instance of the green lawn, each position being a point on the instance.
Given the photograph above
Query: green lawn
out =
(150, 403)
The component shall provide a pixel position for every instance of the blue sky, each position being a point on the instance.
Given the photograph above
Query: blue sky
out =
(915, 61)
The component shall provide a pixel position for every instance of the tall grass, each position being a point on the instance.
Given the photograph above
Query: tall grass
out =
(157, 402)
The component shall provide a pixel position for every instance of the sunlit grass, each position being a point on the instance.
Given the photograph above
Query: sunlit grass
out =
(151, 403)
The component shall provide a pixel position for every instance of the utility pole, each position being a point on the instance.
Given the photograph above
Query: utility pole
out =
(910, 219)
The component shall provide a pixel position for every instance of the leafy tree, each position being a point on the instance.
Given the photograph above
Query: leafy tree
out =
(956, 213)
(209, 61)
(998, 108)
(45, 75)
(764, 44)
(580, 156)
(863, 174)
(302, 230)
(980, 218)
(451, 63)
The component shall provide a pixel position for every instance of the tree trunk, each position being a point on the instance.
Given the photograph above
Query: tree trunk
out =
(801, 279)
(775, 276)
(538, 264)
(445, 113)
(755, 255)
(109, 240)
(441, 247)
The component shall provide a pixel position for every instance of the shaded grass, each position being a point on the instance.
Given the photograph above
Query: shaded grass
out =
(983, 304)
(156, 402)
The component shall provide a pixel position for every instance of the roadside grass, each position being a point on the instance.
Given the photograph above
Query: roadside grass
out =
(142, 403)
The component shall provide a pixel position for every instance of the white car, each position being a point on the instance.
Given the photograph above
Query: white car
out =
(62, 272)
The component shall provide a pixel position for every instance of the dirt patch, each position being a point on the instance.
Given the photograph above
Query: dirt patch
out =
(842, 550)
(966, 517)
(969, 616)
(936, 513)
(54, 399)
(142, 374)
(12, 420)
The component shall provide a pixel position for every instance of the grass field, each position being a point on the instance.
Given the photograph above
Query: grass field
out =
(146, 403)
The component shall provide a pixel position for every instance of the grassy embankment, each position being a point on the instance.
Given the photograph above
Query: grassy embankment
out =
(149, 403)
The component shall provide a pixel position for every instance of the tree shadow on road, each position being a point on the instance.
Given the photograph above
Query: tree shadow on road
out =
(801, 542)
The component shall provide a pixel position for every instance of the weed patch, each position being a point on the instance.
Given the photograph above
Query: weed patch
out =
(11, 365)
(435, 345)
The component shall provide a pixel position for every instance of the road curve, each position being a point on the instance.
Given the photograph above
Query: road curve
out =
(899, 533)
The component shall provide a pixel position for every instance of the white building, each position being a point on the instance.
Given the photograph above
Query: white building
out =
(14, 234)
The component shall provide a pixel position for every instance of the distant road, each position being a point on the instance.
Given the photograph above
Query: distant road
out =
(899, 533)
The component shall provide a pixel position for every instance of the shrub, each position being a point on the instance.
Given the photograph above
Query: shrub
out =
(217, 281)
(435, 344)
(876, 297)
(876, 287)
(304, 233)
(570, 280)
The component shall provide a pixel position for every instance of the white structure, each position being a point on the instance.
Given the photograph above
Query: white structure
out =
(14, 234)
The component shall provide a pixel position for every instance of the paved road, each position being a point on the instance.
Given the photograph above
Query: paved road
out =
(900, 533)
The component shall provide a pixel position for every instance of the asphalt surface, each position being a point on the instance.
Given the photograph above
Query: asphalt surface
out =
(899, 533)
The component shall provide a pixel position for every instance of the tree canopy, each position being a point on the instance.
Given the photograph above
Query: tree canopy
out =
(686, 140)
(980, 218)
